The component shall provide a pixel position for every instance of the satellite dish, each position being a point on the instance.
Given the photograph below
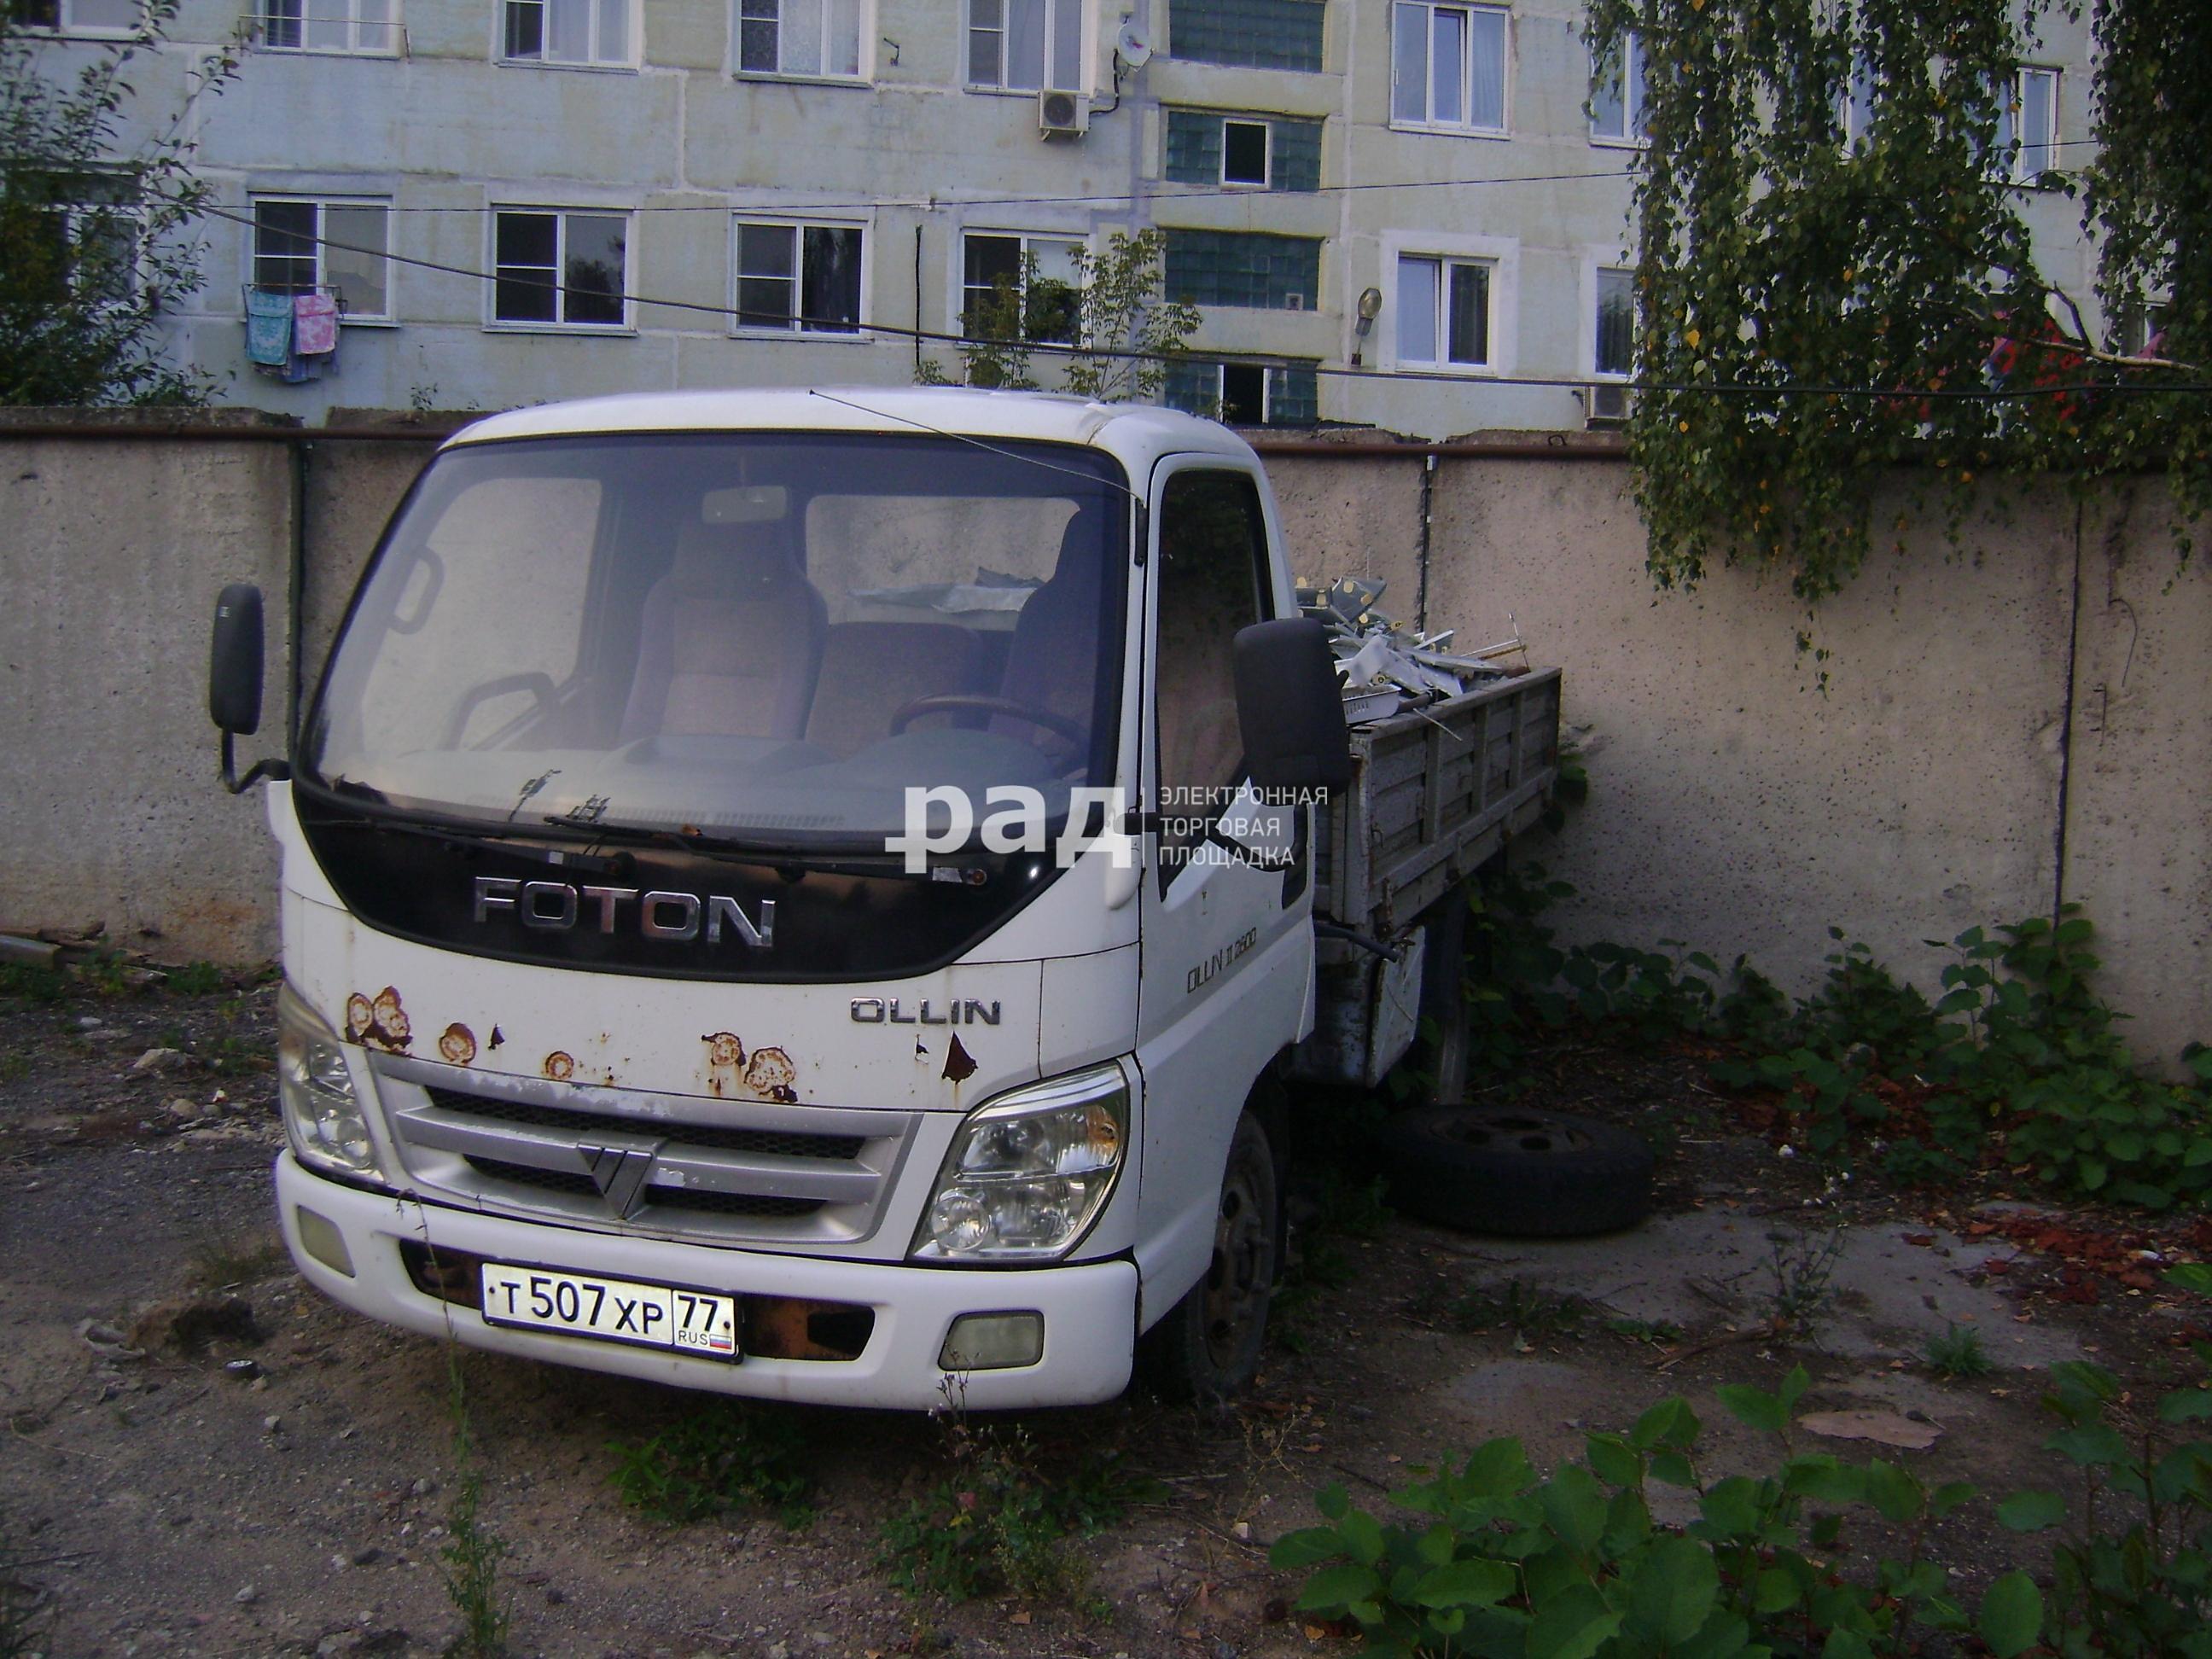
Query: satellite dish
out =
(1135, 49)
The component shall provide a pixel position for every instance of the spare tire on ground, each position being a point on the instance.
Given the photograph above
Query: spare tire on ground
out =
(1516, 1170)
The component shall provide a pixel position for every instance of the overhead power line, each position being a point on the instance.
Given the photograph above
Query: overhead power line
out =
(1424, 376)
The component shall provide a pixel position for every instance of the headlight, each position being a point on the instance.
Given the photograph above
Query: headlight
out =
(326, 1126)
(1028, 1173)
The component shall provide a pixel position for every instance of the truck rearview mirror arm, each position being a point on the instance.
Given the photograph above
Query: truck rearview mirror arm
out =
(235, 656)
(1289, 709)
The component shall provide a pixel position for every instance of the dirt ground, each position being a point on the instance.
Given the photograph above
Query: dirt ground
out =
(278, 1476)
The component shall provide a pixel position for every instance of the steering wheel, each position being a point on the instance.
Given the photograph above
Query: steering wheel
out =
(978, 702)
(539, 686)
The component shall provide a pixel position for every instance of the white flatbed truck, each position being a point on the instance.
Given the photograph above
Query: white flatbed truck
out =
(814, 895)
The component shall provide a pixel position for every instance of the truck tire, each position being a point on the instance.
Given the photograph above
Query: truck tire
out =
(1207, 1346)
(1520, 1171)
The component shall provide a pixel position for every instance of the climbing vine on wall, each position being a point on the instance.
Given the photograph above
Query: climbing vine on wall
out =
(1835, 276)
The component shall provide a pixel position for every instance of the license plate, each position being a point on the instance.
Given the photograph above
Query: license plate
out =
(611, 1310)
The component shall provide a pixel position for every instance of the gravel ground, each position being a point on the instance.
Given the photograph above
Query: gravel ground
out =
(205, 1457)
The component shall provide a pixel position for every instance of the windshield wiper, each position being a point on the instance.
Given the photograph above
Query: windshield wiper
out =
(697, 842)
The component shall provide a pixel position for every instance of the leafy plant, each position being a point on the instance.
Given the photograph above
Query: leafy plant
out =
(93, 234)
(472, 1551)
(1958, 1353)
(1001, 1524)
(33, 981)
(2144, 1587)
(725, 1457)
(1800, 1267)
(1495, 1559)
(195, 979)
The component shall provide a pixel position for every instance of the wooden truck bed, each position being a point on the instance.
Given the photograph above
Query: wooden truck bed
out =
(1434, 792)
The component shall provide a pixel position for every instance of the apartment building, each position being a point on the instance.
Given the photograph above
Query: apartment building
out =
(1412, 214)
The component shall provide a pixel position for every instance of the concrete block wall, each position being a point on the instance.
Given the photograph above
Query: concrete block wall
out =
(2004, 727)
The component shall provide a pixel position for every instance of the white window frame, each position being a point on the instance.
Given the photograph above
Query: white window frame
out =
(1855, 103)
(957, 319)
(559, 214)
(1267, 179)
(1597, 263)
(1501, 253)
(71, 213)
(66, 23)
(797, 329)
(1430, 121)
(2012, 151)
(973, 23)
(322, 204)
(863, 45)
(1632, 97)
(365, 37)
(632, 36)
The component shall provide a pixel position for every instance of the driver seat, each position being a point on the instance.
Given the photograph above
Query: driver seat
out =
(1052, 660)
(731, 640)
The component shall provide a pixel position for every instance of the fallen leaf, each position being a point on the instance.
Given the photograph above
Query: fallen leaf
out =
(1923, 1239)
(1885, 1428)
(1021, 1617)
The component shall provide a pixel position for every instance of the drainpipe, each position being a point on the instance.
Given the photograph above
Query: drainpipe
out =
(917, 304)
(1428, 521)
(295, 599)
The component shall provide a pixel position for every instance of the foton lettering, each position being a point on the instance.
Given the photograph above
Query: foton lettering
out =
(554, 907)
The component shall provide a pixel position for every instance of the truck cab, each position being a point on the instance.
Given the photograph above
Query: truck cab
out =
(781, 895)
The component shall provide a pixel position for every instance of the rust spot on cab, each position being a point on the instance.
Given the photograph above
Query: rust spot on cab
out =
(726, 1059)
(379, 1021)
(959, 1067)
(457, 1044)
(773, 1075)
(559, 1065)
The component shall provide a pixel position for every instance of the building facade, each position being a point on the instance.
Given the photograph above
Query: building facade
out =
(1412, 214)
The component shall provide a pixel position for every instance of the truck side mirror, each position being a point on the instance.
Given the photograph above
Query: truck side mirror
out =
(235, 661)
(1288, 708)
(234, 680)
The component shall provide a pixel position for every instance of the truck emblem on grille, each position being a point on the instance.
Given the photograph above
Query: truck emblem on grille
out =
(554, 907)
(619, 1173)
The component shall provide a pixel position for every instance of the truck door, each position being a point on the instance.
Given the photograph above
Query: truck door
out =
(1226, 951)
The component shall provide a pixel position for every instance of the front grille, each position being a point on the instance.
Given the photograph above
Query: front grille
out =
(670, 1198)
(676, 1165)
(771, 1143)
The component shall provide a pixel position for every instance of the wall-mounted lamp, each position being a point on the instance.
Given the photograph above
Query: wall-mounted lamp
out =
(1371, 307)
(894, 46)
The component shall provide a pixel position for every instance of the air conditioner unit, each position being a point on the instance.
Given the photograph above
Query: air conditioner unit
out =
(1063, 114)
(1605, 403)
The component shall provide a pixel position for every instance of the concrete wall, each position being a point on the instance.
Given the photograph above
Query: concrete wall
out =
(1737, 804)
(2049, 674)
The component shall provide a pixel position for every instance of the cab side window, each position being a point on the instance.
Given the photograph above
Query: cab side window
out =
(1213, 581)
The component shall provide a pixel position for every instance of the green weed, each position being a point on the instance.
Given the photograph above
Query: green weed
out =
(1958, 1353)
(1516, 1305)
(33, 981)
(236, 1258)
(472, 1552)
(1002, 1523)
(1800, 1266)
(195, 979)
(1658, 1333)
(725, 1457)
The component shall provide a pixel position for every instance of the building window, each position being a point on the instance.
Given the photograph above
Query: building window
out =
(566, 32)
(301, 245)
(1447, 66)
(1617, 93)
(2143, 333)
(818, 37)
(1242, 268)
(1025, 45)
(2028, 126)
(1244, 394)
(1279, 34)
(80, 16)
(1855, 104)
(1244, 153)
(1616, 323)
(82, 239)
(1005, 277)
(1443, 311)
(798, 278)
(562, 269)
(370, 26)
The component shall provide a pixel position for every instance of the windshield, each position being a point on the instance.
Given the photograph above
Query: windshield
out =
(764, 637)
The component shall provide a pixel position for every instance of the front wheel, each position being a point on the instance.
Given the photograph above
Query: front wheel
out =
(1208, 1346)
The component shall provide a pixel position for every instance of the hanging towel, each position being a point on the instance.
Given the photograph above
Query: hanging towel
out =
(268, 327)
(314, 325)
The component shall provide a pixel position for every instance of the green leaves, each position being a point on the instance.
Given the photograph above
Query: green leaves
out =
(1674, 1589)
(2011, 1620)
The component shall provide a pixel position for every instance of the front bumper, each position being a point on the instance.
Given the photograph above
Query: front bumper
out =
(1089, 1311)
